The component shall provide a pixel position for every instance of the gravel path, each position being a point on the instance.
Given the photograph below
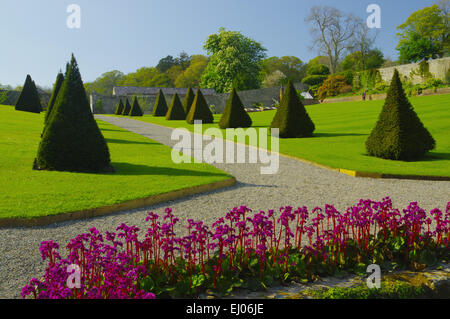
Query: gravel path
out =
(295, 184)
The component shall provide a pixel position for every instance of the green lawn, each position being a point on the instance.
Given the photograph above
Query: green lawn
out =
(144, 168)
(342, 129)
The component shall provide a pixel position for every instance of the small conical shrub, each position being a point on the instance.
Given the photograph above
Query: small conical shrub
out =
(51, 102)
(29, 100)
(176, 110)
(199, 110)
(136, 108)
(188, 99)
(399, 134)
(119, 108)
(291, 118)
(160, 108)
(127, 108)
(234, 114)
(72, 140)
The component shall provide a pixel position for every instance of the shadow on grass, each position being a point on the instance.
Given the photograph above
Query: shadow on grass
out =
(434, 156)
(129, 169)
(119, 141)
(337, 134)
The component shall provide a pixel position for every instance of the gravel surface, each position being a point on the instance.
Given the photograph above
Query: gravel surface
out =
(295, 184)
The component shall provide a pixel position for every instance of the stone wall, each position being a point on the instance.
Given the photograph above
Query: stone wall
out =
(13, 96)
(438, 68)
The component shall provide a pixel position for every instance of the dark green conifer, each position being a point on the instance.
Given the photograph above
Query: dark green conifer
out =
(188, 99)
(29, 100)
(136, 108)
(399, 134)
(56, 87)
(234, 114)
(291, 118)
(160, 108)
(127, 108)
(72, 140)
(200, 110)
(176, 110)
(119, 108)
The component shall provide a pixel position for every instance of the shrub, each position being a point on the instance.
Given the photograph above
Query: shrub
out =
(317, 69)
(29, 100)
(56, 88)
(119, 108)
(72, 140)
(176, 110)
(160, 108)
(199, 110)
(188, 99)
(399, 134)
(127, 108)
(331, 86)
(234, 114)
(136, 108)
(314, 79)
(291, 117)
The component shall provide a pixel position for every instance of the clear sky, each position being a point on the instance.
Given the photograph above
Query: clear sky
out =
(128, 34)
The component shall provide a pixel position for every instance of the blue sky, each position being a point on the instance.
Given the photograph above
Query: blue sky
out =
(128, 34)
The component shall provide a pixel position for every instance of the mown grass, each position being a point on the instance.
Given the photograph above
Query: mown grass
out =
(144, 168)
(341, 132)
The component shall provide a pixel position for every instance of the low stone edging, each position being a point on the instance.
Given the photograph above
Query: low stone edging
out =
(101, 211)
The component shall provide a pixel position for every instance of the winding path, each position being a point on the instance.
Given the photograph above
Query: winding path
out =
(296, 184)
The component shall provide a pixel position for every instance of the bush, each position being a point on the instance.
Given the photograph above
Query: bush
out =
(331, 86)
(399, 134)
(72, 140)
(188, 99)
(119, 108)
(317, 69)
(199, 110)
(176, 110)
(348, 75)
(29, 100)
(314, 79)
(291, 117)
(127, 108)
(136, 108)
(56, 88)
(160, 108)
(234, 114)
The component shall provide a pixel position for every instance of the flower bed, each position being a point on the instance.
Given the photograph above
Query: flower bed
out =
(243, 250)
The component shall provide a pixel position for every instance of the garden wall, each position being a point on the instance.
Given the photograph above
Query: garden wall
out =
(12, 96)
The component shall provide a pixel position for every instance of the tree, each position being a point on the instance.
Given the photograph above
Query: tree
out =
(398, 134)
(426, 28)
(234, 114)
(127, 108)
(291, 118)
(56, 88)
(292, 67)
(235, 61)
(105, 83)
(176, 110)
(355, 61)
(119, 108)
(188, 100)
(362, 42)
(332, 32)
(29, 100)
(160, 108)
(165, 63)
(417, 48)
(192, 76)
(276, 78)
(146, 77)
(136, 108)
(199, 110)
(72, 140)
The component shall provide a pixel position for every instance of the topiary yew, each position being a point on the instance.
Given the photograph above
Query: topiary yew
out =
(29, 100)
(176, 110)
(234, 114)
(188, 99)
(199, 110)
(160, 108)
(56, 88)
(291, 118)
(119, 108)
(136, 108)
(72, 140)
(127, 107)
(399, 134)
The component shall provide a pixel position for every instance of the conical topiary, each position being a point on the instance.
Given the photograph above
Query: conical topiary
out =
(72, 140)
(199, 110)
(56, 87)
(291, 118)
(234, 114)
(160, 108)
(119, 108)
(176, 110)
(188, 99)
(399, 134)
(29, 100)
(136, 108)
(127, 107)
